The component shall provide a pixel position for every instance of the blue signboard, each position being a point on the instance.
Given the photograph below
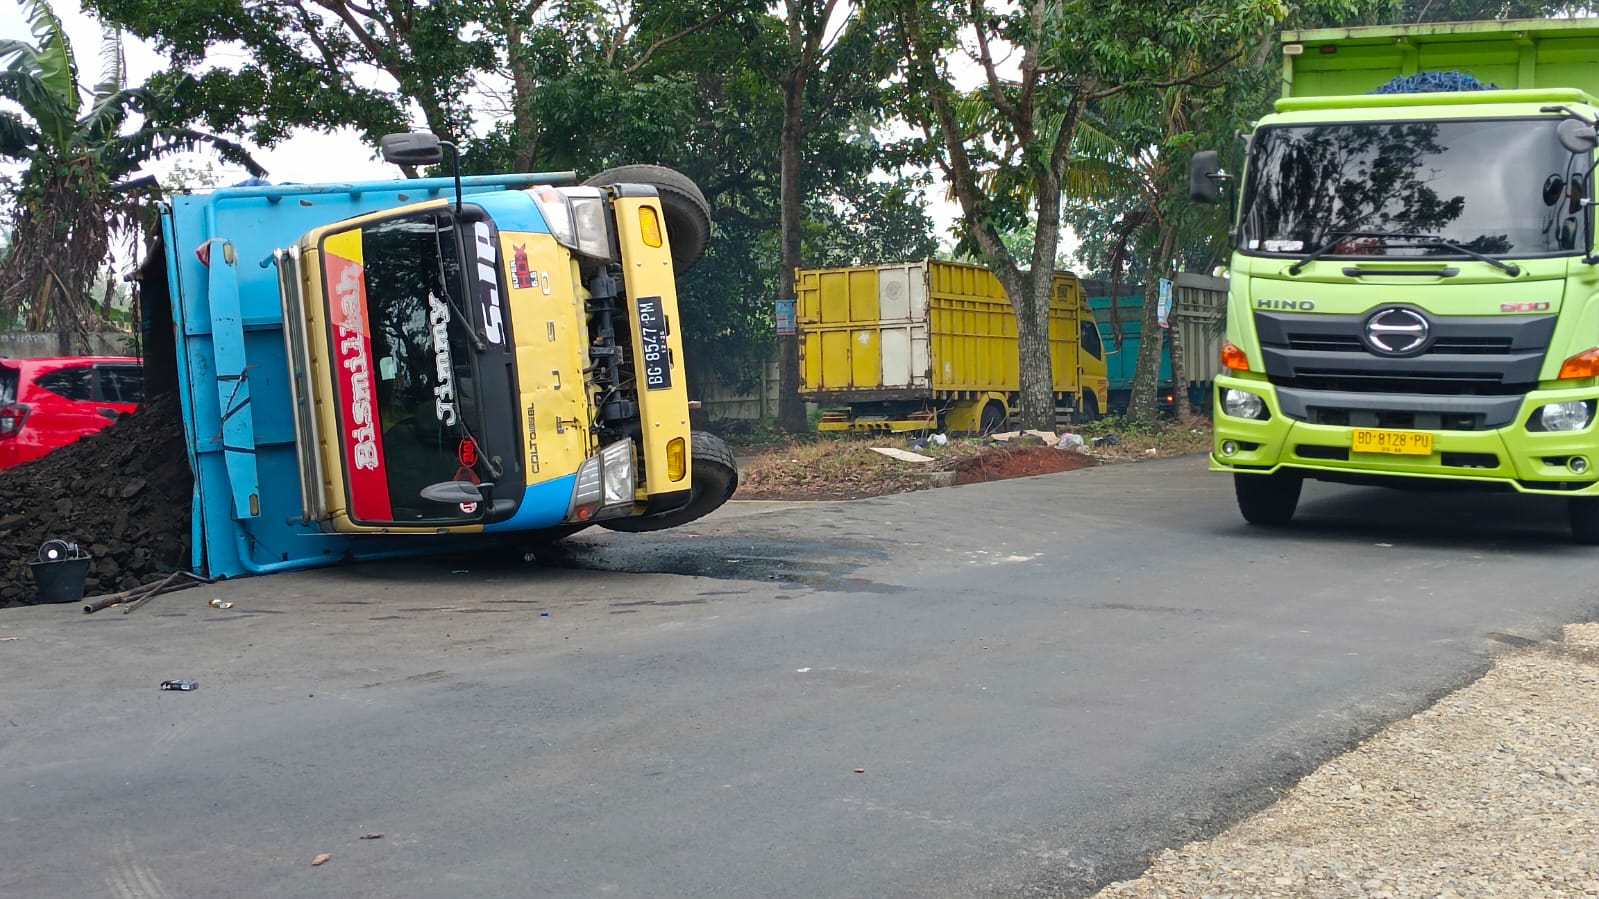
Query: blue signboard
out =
(785, 317)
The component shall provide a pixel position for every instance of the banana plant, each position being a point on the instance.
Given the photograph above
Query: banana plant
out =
(78, 146)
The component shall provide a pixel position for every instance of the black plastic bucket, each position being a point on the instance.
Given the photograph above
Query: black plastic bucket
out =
(60, 580)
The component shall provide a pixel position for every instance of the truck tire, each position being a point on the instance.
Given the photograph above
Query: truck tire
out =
(713, 481)
(992, 418)
(1583, 513)
(688, 213)
(1267, 499)
(1088, 409)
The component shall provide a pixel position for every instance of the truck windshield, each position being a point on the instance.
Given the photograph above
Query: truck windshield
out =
(423, 400)
(1499, 188)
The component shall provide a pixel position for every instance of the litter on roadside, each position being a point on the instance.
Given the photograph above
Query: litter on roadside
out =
(1070, 442)
(1049, 437)
(321, 858)
(219, 604)
(180, 686)
(902, 455)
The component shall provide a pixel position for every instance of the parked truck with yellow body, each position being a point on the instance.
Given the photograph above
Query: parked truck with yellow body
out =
(932, 345)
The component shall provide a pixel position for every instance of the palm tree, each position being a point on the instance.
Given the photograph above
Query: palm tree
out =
(79, 149)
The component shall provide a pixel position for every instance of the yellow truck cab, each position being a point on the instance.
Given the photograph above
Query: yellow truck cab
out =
(930, 345)
(503, 357)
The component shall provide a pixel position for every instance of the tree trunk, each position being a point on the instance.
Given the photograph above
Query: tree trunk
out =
(1032, 346)
(1033, 349)
(1144, 405)
(523, 128)
(790, 410)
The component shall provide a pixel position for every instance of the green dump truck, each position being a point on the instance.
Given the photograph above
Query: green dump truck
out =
(1414, 292)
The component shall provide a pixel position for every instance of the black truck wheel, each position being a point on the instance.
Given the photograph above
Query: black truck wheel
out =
(713, 480)
(1268, 499)
(992, 418)
(688, 213)
(1583, 513)
(1088, 411)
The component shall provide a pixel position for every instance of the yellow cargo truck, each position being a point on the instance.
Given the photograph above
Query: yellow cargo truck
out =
(927, 345)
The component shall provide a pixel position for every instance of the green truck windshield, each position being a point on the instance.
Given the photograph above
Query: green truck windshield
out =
(1497, 187)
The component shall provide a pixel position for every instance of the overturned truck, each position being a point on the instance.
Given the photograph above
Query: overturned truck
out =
(391, 368)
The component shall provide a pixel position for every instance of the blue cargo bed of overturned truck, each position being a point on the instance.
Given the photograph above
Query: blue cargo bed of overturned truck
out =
(219, 283)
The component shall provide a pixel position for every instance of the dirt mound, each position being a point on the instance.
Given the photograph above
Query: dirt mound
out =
(122, 495)
(825, 470)
(1018, 462)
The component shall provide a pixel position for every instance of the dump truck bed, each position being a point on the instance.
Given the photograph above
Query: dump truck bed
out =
(920, 330)
(1515, 54)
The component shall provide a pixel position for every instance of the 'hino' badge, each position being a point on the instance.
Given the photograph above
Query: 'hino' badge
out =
(1396, 331)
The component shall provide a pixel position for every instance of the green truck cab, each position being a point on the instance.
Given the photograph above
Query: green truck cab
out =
(1414, 289)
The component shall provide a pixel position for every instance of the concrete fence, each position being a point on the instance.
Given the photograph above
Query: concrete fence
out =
(760, 401)
(37, 344)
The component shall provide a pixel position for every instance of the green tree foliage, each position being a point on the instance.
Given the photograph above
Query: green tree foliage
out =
(1008, 146)
(573, 84)
(78, 146)
(311, 63)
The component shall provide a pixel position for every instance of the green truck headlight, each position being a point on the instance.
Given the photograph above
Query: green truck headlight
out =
(1242, 404)
(1572, 416)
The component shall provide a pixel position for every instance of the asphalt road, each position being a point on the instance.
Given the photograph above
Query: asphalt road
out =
(1042, 682)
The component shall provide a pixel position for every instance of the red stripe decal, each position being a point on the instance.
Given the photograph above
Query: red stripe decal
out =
(363, 432)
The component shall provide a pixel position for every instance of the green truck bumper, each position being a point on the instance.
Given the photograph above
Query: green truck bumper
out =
(1512, 456)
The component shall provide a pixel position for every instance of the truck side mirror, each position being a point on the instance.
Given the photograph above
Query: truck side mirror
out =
(1577, 136)
(412, 148)
(1205, 177)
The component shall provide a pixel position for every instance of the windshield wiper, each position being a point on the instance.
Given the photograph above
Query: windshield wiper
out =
(1509, 268)
(444, 288)
(1338, 237)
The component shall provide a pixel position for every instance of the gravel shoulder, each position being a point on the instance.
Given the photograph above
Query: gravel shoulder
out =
(1494, 791)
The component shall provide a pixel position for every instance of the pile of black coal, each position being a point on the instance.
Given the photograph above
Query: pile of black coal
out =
(122, 495)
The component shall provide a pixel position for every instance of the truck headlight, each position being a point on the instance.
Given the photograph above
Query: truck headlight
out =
(1572, 416)
(604, 483)
(576, 218)
(1242, 404)
(617, 461)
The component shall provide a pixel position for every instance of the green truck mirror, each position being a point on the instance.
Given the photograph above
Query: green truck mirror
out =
(1205, 177)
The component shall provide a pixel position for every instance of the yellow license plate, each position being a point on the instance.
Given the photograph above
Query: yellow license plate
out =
(1398, 443)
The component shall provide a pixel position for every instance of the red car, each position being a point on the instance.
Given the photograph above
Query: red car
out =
(46, 404)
